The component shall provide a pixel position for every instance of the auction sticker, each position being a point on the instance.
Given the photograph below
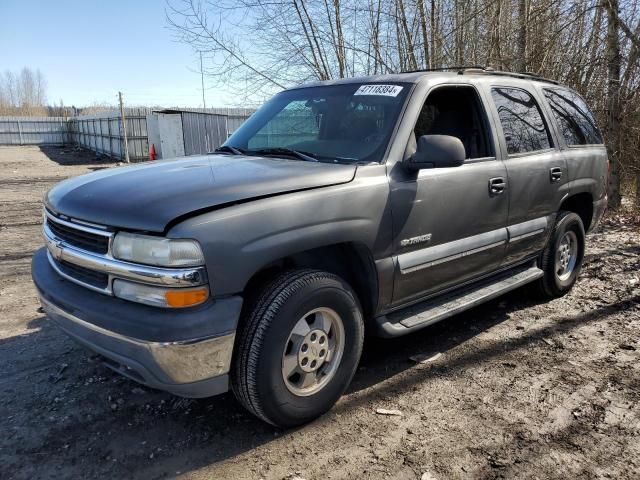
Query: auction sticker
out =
(384, 90)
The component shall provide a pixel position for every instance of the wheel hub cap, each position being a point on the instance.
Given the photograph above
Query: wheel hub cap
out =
(566, 255)
(313, 351)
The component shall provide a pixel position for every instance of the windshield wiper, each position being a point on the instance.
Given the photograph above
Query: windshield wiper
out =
(306, 156)
(346, 160)
(229, 149)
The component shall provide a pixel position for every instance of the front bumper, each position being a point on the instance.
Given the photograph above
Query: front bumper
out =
(146, 344)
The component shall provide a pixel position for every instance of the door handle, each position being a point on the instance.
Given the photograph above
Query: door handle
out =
(497, 185)
(555, 174)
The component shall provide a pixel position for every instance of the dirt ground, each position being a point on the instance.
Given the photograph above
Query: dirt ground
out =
(522, 388)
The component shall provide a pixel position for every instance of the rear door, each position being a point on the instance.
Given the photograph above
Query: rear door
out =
(536, 168)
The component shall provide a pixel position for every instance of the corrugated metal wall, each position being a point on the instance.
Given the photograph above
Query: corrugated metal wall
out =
(204, 130)
(33, 131)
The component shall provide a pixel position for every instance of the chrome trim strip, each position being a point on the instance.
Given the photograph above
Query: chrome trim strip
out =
(446, 252)
(182, 361)
(77, 226)
(171, 277)
(526, 235)
(520, 231)
(452, 257)
(428, 257)
(54, 265)
(89, 224)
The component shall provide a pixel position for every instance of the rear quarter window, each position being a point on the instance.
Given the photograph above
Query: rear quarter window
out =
(575, 121)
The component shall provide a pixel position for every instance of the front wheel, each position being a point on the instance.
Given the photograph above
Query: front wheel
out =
(561, 259)
(298, 347)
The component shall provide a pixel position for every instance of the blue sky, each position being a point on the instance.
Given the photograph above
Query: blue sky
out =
(89, 50)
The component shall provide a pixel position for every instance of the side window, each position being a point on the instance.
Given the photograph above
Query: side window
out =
(521, 119)
(458, 112)
(575, 120)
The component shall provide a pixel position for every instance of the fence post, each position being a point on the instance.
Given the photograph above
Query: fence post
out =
(124, 129)
(20, 132)
(95, 136)
(109, 133)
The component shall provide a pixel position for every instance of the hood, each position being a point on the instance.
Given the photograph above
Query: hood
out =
(148, 196)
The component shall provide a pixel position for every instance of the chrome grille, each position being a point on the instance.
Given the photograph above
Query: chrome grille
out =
(81, 252)
(84, 275)
(78, 236)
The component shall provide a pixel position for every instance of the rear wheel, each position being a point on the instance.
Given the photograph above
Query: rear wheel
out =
(561, 260)
(298, 347)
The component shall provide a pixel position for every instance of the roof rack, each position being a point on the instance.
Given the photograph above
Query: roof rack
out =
(521, 75)
(488, 71)
(460, 68)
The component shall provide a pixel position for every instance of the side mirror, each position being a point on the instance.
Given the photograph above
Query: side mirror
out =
(437, 151)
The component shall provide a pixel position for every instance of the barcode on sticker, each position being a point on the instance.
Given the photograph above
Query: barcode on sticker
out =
(385, 90)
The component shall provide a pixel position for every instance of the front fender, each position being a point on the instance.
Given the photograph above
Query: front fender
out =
(240, 240)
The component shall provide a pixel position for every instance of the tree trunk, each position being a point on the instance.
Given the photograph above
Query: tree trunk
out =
(594, 41)
(495, 54)
(411, 55)
(613, 102)
(435, 54)
(423, 27)
(340, 50)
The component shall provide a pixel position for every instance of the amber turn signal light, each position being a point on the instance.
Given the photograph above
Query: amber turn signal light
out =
(186, 298)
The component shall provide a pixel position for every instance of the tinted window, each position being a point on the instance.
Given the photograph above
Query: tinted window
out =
(458, 112)
(575, 120)
(522, 123)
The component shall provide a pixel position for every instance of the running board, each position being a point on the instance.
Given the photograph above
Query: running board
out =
(431, 311)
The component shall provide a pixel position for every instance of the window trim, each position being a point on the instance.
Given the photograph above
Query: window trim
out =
(557, 124)
(552, 140)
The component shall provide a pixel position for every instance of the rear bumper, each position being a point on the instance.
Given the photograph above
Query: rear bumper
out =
(135, 343)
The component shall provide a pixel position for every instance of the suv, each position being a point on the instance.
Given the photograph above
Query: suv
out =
(379, 204)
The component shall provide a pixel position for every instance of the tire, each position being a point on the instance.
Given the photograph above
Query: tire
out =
(267, 345)
(556, 282)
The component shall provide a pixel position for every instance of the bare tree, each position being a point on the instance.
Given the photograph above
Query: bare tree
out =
(613, 101)
(23, 93)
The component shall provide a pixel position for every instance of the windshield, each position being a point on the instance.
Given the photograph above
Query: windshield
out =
(340, 123)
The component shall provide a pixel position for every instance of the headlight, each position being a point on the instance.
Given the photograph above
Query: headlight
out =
(159, 296)
(162, 252)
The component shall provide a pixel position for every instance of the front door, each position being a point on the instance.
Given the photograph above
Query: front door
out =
(449, 223)
(536, 170)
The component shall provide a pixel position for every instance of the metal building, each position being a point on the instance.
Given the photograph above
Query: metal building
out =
(176, 133)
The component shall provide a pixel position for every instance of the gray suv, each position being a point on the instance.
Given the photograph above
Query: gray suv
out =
(379, 204)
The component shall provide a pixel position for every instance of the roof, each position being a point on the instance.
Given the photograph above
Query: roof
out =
(417, 75)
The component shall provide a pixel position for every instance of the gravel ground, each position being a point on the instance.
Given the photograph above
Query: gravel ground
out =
(521, 388)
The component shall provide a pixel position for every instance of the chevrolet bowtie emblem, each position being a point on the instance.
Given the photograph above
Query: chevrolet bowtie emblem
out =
(56, 250)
